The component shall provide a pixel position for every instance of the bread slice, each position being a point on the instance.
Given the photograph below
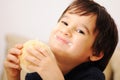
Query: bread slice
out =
(30, 43)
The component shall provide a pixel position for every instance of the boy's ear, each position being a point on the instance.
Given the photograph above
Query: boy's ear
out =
(96, 57)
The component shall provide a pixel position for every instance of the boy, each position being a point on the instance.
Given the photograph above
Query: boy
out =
(82, 43)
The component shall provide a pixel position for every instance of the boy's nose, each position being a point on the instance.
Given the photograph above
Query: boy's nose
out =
(67, 31)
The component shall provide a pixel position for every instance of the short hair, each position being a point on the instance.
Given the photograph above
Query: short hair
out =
(107, 37)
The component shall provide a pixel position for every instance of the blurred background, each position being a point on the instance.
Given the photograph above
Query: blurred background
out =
(36, 18)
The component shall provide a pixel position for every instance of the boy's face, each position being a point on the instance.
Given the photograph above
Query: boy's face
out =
(71, 41)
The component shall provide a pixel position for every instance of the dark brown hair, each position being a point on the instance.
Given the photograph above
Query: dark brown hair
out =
(107, 37)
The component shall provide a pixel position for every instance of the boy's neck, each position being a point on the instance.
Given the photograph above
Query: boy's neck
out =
(64, 68)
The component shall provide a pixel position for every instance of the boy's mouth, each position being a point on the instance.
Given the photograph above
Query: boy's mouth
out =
(63, 40)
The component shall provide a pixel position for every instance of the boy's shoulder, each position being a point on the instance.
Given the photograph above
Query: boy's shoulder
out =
(85, 71)
(95, 74)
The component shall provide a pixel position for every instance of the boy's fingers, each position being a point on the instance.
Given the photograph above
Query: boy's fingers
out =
(33, 60)
(19, 46)
(41, 50)
(11, 65)
(35, 53)
(12, 58)
(15, 51)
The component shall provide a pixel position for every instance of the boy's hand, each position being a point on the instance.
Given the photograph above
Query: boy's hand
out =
(11, 63)
(44, 63)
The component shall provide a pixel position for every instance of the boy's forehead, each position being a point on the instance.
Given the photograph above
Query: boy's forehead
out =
(90, 15)
(79, 12)
(74, 11)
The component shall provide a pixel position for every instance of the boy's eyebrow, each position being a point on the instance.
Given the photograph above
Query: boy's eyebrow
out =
(64, 16)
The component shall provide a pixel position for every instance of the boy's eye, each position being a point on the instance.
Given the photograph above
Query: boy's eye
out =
(80, 31)
(65, 23)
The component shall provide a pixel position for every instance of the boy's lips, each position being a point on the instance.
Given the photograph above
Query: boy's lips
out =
(63, 40)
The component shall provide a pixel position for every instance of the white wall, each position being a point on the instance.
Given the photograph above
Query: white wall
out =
(30, 18)
(35, 18)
